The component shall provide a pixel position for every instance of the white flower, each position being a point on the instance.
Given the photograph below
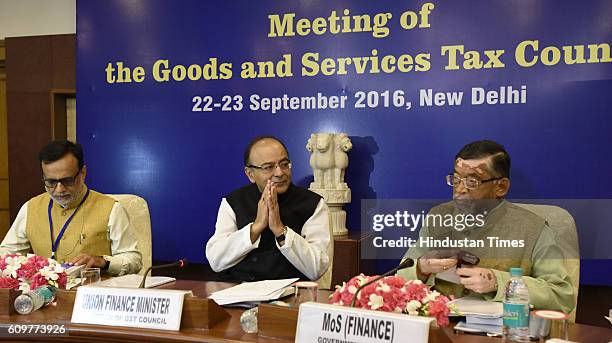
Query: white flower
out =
(49, 273)
(413, 313)
(416, 282)
(340, 289)
(13, 260)
(361, 279)
(12, 266)
(10, 271)
(383, 287)
(412, 306)
(58, 268)
(376, 301)
(24, 286)
(352, 289)
(430, 296)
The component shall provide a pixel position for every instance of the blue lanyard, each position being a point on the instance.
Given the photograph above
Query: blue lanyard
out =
(55, 244)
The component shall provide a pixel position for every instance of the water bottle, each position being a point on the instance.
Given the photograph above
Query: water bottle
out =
(33, 300)
(516, 308)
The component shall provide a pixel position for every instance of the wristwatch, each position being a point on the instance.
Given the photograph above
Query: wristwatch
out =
(281, 238)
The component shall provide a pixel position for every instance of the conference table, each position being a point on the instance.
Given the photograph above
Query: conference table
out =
(227, 330)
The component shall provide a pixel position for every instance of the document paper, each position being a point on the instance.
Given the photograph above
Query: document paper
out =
(252, 291)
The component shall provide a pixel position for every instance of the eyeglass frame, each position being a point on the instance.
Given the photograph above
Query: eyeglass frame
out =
(449, 178)
(273, 165)
(66, 181)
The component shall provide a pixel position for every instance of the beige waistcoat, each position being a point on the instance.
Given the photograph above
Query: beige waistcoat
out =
(87, 233)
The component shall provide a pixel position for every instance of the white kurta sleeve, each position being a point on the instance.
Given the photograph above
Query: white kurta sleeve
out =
(229, 245)
(125, 259)
(308, 251)
(16, 239)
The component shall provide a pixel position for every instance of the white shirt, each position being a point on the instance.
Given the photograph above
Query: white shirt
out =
(125, 259)
(308, 252)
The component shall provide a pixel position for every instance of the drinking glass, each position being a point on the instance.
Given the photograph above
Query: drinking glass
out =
(548, 324)
(89, 276)
(305, 291)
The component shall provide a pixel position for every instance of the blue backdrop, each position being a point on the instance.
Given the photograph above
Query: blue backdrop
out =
(144, 137)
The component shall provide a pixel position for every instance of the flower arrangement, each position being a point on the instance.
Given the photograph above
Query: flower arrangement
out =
(26, 273)
(395, 294)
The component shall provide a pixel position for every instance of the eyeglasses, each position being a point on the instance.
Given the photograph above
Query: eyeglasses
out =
(270, 167)
(67, 181)
(469, 182)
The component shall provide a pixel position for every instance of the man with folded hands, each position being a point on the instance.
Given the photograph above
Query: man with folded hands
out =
(270, 229)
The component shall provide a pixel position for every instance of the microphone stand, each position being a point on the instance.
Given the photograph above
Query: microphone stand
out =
(405, 264)
(180, 263)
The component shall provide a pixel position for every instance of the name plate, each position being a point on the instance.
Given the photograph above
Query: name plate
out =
(140, 308)
(330, 323)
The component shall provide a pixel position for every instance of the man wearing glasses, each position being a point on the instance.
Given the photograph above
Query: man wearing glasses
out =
(270, 229)
(480, 182)
(70, 222)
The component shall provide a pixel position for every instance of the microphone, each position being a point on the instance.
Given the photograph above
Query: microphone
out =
(407, 263)
(180, 263)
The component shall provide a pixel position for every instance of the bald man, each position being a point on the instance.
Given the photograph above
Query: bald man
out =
(481, 178)
(270, 229)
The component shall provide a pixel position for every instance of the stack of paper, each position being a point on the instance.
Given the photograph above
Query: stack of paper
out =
(251, 292)
(480, 316)
(489, 330)
(484, 320)
(473, 305)
(486, 324)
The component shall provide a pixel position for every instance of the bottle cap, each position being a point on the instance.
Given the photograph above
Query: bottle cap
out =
(516, 271)
(24, 304)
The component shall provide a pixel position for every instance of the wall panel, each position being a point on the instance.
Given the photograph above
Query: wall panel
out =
(35, 66)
